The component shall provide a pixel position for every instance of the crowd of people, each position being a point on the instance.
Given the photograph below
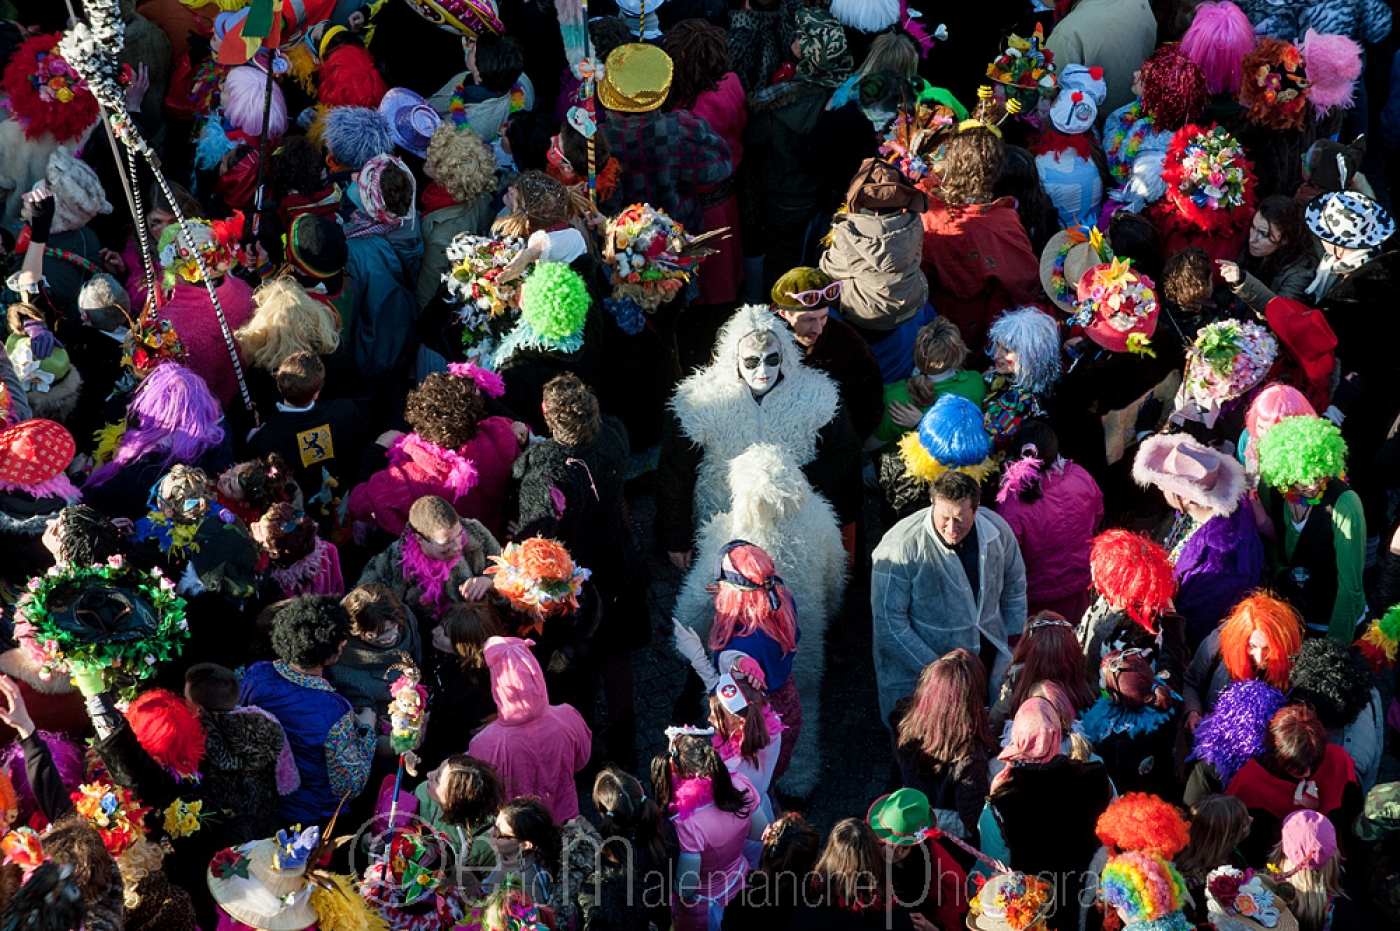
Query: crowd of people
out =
(345, 337)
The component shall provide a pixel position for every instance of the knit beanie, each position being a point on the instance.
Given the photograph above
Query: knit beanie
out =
(77, 192)
(316, 246)
(795, 281)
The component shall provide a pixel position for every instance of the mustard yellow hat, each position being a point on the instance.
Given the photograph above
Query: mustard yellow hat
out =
(636, 79)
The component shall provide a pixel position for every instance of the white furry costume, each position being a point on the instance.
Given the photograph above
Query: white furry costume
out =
(868, 16)
(776, 509)
(719, 414)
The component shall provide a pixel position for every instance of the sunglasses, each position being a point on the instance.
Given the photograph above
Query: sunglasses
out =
(752, 362)
(818, 297)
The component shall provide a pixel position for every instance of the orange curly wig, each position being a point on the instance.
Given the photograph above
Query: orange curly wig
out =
(169, 729)
(1134, 574)
(1146, 823)
(1280, 624)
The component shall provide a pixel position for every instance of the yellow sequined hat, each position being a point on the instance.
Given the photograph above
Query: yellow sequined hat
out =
(636, 79)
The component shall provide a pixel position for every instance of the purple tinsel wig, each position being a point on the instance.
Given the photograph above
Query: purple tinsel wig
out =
(244, 91)
(172, 414)
(1219, 38)
(1233, 733)
(67, 756)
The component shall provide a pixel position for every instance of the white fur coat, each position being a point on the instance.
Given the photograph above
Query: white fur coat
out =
(776, 509)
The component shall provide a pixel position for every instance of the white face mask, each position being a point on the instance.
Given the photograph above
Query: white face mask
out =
(760, 362)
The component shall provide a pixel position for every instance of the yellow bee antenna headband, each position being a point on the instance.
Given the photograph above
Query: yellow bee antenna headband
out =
(984, 96)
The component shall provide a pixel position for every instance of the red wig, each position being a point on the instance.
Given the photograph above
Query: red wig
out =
(35, 72)
(1281, 626)
(1142, 822)
(1050, 651)
(742, 609)
(1134, 574)
(169, 729)
(1174, 88)
(948, 716)
(350, 79)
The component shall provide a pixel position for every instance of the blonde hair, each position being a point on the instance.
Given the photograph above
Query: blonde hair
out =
(1313, 889)
(892, 51)
(461, 162)
(287, 321)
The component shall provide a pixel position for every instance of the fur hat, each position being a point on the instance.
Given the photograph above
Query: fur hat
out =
(797, 281)
(354, 135)
(102, 291)
(951, 435)
(1193, 472)
(1334, 67)
(78, 194)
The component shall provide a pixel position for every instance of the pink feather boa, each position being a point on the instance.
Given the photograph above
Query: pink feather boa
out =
(729, 749)
(57, 487)
(462, 477)
(690, 795)
(487, 381)
(428, 574)
(1020, 473)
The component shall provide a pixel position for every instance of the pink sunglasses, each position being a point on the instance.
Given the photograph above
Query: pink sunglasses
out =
(818, 297)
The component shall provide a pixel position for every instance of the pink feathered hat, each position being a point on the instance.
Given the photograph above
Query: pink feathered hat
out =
(1185, 468)
(1334, 65)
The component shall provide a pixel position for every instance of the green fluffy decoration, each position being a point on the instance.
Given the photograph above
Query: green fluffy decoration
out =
(554, 300)
(1300, 451)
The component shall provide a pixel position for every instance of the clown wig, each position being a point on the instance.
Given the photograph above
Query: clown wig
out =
(244, 91)
(1133, 574)
(1219, 38)
(1281, 626)
(1173, 88)
(751, 597)
(1144, 823)
(1233, 734)
(175, 418)
(554, 301)
(168, 728)
(1334, 66)
(1275, 403)
(287, 321)
(1034, 337)
(67, 757)
(1143, 888)
(1301, 451)
(951, 436)
(354, 135)
(350, 79)
(461, 163)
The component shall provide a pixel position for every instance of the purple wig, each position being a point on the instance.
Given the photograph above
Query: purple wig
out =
(67, 756)
(174, 416)
(1219, 38)
(1233, 733)
(242, 96)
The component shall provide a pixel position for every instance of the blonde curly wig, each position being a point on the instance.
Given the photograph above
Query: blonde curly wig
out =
(287, 321)
(461, 162)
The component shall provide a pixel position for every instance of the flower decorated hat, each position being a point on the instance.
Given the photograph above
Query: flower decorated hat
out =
(539, 577)
(469, 18)
(649, 256)
(46, 94)
(1026, 68)
(1274, 86)
(1066, 257)
(1227, 359)
(1117, 307)
(114, 811)
(1011, 902)
(1243, 901)
(916, 132)
(216, 243)
(1210, 183)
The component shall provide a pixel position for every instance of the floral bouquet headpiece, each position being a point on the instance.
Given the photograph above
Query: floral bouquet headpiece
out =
(915, 134)
(1227, 359)
(1209, 180)
(215, 242)
(474, 280)
(1026, 68)
(1018, 900)
(650, 257)
(538, 576)
(1274, 87)
(116, 814)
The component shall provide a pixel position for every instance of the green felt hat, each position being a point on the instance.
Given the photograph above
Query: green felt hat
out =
(903, 817)
(795, 281)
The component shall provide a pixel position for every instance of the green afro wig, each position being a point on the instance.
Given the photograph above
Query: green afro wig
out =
(554, 301)
(1300, 451)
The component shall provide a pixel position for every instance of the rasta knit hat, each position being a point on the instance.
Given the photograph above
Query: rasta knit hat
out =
(316, 246)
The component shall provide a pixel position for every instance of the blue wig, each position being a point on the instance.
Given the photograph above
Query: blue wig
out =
(1034, 337)
(354, 135)
(952, 435)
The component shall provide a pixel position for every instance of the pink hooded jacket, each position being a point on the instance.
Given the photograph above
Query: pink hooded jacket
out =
(535, 746)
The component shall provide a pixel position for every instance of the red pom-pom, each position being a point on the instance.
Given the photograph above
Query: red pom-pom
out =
(46, 94)
(168, 728)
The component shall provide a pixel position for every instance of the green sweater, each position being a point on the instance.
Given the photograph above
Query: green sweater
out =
(1349, 541)
(967, 384)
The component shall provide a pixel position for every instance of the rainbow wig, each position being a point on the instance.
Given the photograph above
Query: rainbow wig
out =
(1219, 38)
(1144, 823)
(1301, 451)
(67, 756)
(242, 95)
(1281, 626)
(1334, 67)
(1134, 574)
(1173, 88)
(168, 728)
(176, 420)
(1034, 337)
(1144, 888)
(1381, 642)
(951, 436)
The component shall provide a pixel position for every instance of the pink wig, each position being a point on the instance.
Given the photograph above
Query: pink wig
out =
(1334, 65)
(173, 415)
(1219, 38)
(67, 757)
(1273, 404)
(244, 90)
(752, 597)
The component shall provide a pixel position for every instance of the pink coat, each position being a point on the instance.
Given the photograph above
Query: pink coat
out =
(388, 494)
(1055, 532)
(191, 313)
(535, 746)
(723, 108)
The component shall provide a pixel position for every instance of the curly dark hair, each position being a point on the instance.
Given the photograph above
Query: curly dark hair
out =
(1334, 679)
(445, 410)
(310, 630)
(298, 167)
(86, 537)
(571, 410)
(1020, 179)
(700, 57)
(74, 842)
(1285, 216)
(1186, 279)
(396, 187)
(266, 481)
(971, 160)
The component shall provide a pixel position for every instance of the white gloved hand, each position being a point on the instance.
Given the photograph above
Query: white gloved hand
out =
(688, 644)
